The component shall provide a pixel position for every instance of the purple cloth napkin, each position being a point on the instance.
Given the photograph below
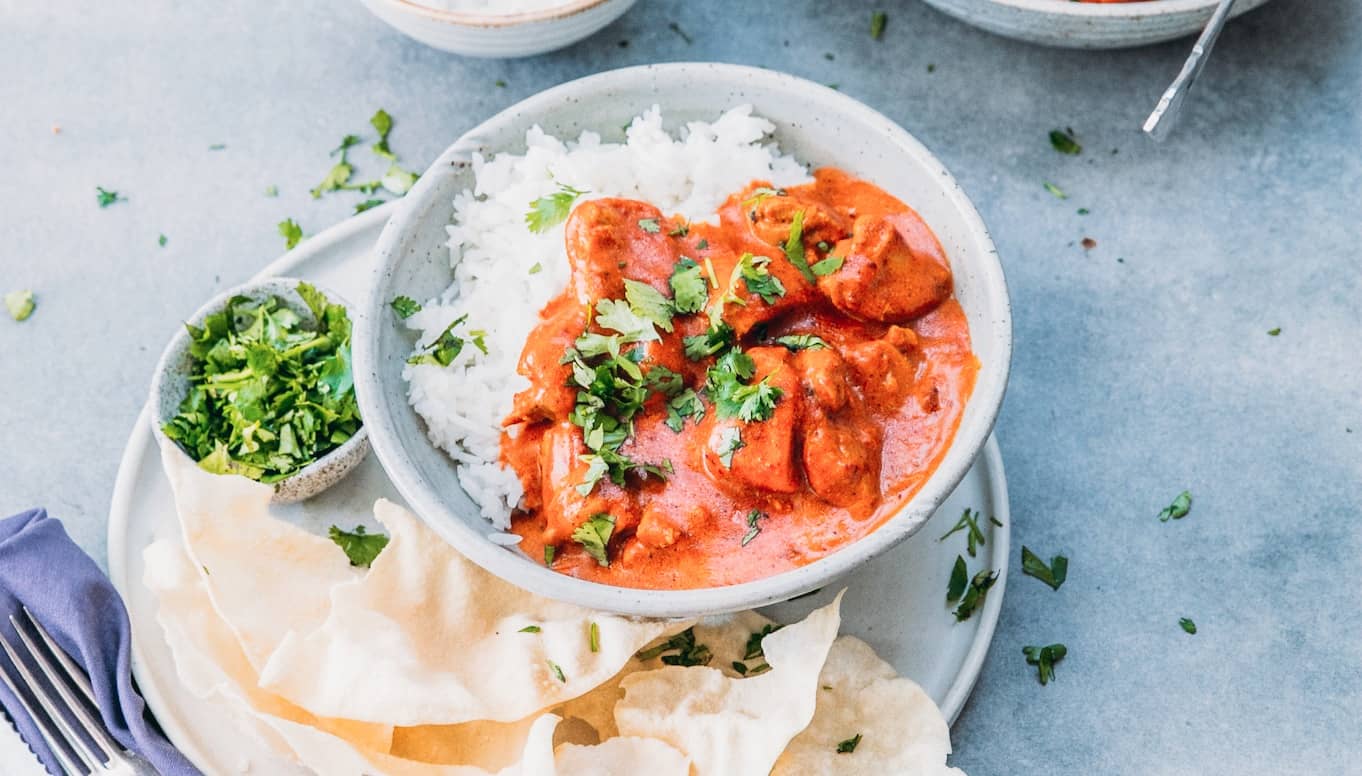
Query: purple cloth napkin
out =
(41, 568)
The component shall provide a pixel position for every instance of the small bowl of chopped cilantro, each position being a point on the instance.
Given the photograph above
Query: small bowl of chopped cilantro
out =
(260, 383)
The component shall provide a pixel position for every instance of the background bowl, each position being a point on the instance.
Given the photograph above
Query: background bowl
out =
(1088, 25)
(171, 384)
(500, 36)
(821, 127)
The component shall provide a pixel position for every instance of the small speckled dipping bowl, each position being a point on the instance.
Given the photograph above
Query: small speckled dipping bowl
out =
(171, 385)
(508, 35)
(820, 127)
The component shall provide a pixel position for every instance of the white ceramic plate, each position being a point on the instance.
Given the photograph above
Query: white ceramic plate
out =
(896, 602)
(1088, 25)
(520, 34)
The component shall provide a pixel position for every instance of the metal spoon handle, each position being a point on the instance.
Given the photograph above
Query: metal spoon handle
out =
(1165, 114)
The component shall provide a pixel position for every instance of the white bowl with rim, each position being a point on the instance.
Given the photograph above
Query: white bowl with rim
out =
(820, 127)
(505, 35)
(1071, 24)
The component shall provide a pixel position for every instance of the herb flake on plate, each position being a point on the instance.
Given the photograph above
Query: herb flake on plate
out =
(848, 746)
(360, 546)
(975, 594)
(405, 306)
(552, 209)
(974, 537)
(959, 580)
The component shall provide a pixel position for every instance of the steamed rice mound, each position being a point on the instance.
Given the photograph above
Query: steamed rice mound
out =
(504, 274)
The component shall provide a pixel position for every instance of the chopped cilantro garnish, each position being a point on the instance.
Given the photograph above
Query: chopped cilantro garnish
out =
(686, 404)
(648, 303)
(443, 349)
(536, 268)
(340, 172)
(681, 230)
(1083, 211)
(676, 28)
(715, 339)
(797, 342)
(729, 442)
(754, 648)
(382, 124)
(397, 180)
(1187, 625)
(20, 304)
(529, 629)
(360, 546)
(848, 746)
(1274, 332)
(269, 392)
(291, 232)
(689, 291)
(271, 190)
(557, 671)
(218, 147)
(794, 247)
(549, 552)
(1044, 659)
(594, 536)
(649, 225)
(106, 197)
(688, 653)
(753, 526)
(877, 22)
(959, 580)
(758, 279)
(553, 209)
(969, 522)
(405, 307)
(620, 316)
(368, 204)
(161, 240)
(732, 397)
(827, 266)
(1178, 509)
(594, 637)
(1055, 190)
(1052, 575)
(974, 594)
(760, 193)
(1063, 142)
(703, 245)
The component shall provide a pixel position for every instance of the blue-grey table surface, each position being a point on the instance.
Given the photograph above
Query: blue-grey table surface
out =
(1143, 365)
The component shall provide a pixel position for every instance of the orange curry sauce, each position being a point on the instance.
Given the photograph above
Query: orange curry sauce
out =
(859, 425)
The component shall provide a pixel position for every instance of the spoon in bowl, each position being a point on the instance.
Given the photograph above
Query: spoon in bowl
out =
(1165, 114)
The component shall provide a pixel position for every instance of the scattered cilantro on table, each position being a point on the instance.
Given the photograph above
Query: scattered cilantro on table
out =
(20, 304)
(360, 546)
(1178, 509)
(1044, 659)
(679, 650)
(877, 22)
(1063, 141)
(1187, 625)
(105, 197)
(1052, 575)
(291, 232)
(848, 746)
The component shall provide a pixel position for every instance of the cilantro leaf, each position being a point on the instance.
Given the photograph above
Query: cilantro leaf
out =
(557, 671)
(797, 342)
(794, 247)
(1055, 190)
(360, 546)
(621, 317)
(530, 629)
(405, 307)
(649, 225)
(753, 527)
(684, 405)
(1187, 625)
(20, 304)
(649, 303)
(382, 124)
(106, 197)
(335, 179)
(975, 593)
(959, 580)
(594, 637)
(551, 210)
(549, 552)
(1052, 575)
(728, 443)
(443, 349)
(968, 522)
(398, 180)
(161, 240)
(368, 204)
(594, 536)
(1044, 658)
(687, 651)
(877, 22)
(1063, 142)
(716, 338)
(291, 232)
(758, 279)
(848, 746)
(827, 266)
(689, 289)
(1178, 509)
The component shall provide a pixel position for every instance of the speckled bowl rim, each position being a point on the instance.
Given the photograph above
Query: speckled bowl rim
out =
(1142, 9)
(176, 346)
(475, 544)
(490, 20)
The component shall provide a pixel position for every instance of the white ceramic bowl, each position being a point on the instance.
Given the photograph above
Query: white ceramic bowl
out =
(519, 34)
(821, 127)
(171, 384)
(1088, 25)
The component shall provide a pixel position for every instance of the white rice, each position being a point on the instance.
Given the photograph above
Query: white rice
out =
(492, 253)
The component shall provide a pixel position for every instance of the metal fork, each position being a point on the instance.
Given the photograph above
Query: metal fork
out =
(66, 716)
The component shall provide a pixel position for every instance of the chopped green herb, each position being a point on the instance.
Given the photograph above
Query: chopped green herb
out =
(1187, 625)
(753, 527)
(500, 84)
(877, 22)
(551, 210)
(684, 405)
(681, 230)
(729, 442)
(291, 232)
(827, 266)
(529, 629)
(1063, 142)
(1052, 575)
(794, 247)
(271, 191)
(969, 522)
(549, 552)
(479, 338)
(848, 746)
(270, 392)
(676, 28)
(443, 349)
(1055, 190)
(368, 204)
(217, 147)
(360, 546)
(648, 303)
(382, 124)
(734, 398)
(106, 198)
(1274, 332)
(1178, 509)
(557, 671)
(758, 279)
(1083, 211)
(594, 637)
(688, 652)
(161, 241)
(1044, 658)
(397, 180)
(594, 536)
(797, 342)
(974, 594)
(715, 339)
(959, 580)
(689, 290)
(701, 246)
(405, 307)
(760, 193)
(20, 304)
(536, 268)
(340, 172)
(649, 225)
